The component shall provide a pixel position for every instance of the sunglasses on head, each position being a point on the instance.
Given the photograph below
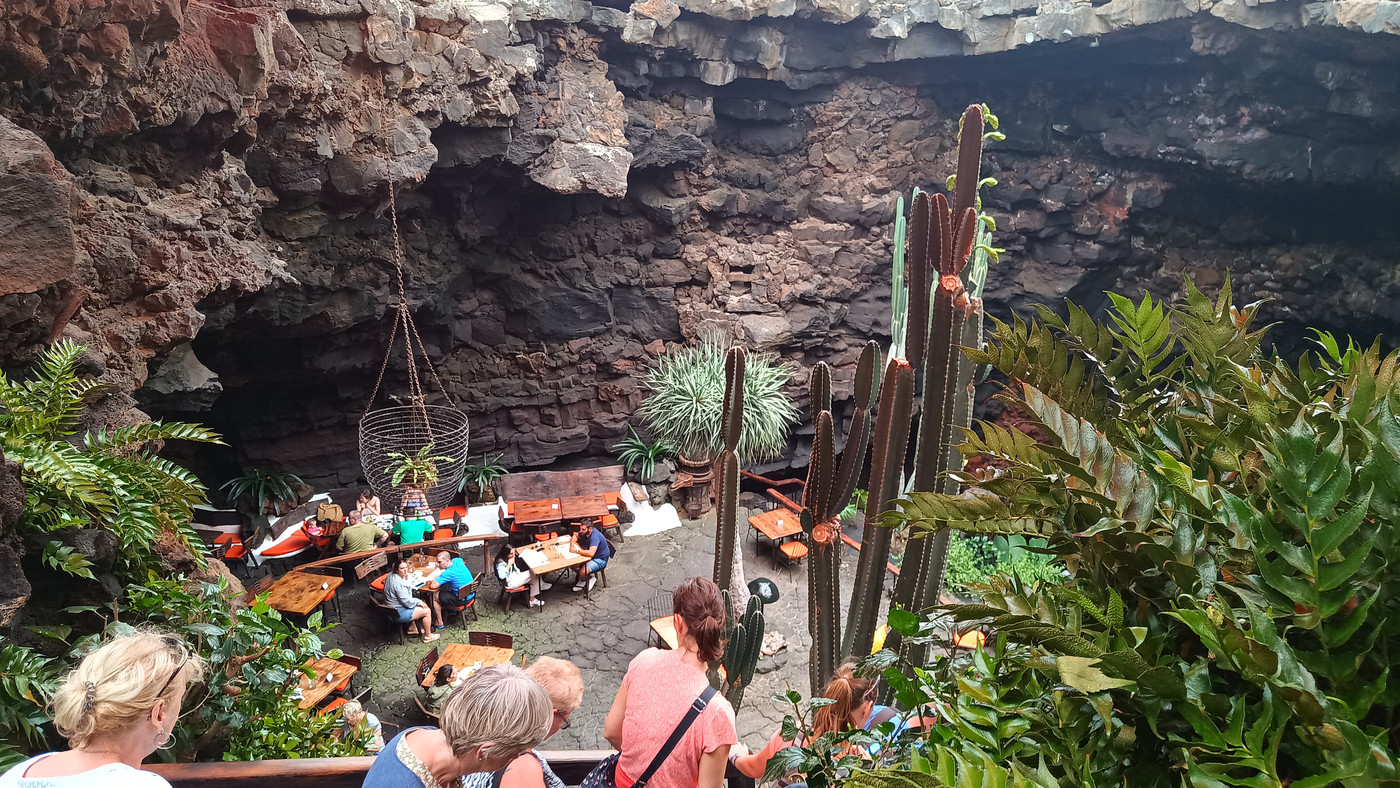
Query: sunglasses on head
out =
(184, 651)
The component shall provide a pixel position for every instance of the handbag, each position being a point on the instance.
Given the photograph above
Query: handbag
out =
(329, 511)
(604, 775)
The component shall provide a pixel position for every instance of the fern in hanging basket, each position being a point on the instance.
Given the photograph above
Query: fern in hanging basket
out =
(419, 470)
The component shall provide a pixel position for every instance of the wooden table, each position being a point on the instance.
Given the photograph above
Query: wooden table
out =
(300, 593)
(665, 628)
(314, 689)
(556, 559)
(461, 655)
(579, 507)
(768, 524)
(541, 511)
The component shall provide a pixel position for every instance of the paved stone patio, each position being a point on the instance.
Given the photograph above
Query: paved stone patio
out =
(600, 634)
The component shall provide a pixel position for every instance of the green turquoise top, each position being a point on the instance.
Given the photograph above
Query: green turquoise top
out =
(411, 531)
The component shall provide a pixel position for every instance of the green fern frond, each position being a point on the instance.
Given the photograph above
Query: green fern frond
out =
(124, 437)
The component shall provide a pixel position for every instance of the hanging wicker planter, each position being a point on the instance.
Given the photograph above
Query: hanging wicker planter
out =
(406, 429)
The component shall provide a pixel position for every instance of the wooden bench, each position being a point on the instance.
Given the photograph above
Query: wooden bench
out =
(534, 485)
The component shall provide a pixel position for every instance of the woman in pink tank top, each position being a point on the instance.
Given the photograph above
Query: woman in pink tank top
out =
(660, 687)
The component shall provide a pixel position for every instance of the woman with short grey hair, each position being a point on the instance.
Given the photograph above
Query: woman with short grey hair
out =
(497, 714)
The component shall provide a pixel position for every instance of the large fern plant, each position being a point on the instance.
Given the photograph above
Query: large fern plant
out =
(112, 478)
(1229, 523)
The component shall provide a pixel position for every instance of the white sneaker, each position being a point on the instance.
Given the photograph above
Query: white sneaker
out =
(578, 588)
(545, 586)
(592, 581)
(537, 602)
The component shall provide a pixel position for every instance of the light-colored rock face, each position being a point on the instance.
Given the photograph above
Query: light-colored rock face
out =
(579, 183)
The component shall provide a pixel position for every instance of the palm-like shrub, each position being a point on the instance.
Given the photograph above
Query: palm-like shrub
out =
(687, 401)
(482, 475)
(419, 470)
(111, 478)
(1229, 520)
(633, 451)
(258, 490)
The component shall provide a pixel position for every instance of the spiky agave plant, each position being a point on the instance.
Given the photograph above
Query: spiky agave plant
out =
(686, 402)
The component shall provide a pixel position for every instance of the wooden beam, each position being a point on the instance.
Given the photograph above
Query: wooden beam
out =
(571, 766)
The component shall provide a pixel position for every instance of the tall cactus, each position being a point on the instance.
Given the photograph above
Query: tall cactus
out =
(887, 464)
(744, 636)
(727, 470)
(828, 490)
(942, 238)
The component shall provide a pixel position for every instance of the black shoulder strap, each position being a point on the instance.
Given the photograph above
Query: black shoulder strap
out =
(497, 776)
(695, 709)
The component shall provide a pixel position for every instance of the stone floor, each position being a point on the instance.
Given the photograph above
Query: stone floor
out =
(600, 634)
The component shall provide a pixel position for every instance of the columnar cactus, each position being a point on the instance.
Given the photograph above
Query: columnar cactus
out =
(942, 238)
(828, 490)
(741, 652)
(727, 478)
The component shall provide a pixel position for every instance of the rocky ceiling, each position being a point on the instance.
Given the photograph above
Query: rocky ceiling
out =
(195, 188)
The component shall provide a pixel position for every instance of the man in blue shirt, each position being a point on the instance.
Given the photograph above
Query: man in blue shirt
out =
(589, 541)
(453, 576)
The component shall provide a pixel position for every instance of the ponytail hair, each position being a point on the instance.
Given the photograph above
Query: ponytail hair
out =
(118, 685)
(699, 604)
(850, 693)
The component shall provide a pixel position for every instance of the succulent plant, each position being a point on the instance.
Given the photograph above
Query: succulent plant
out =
(727, 555)
(744, 635)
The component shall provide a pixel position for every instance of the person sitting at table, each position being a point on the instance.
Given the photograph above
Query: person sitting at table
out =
(453, 575)
(354, 717)
(589, 541)
(398, 592)
(368, 503)
(411, 531)
(498, 714)
(441, 689)
(514, 573)
(414, 498)
(359, 535)
(563, 682)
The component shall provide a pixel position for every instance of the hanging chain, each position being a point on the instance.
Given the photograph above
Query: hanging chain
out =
(413, 343)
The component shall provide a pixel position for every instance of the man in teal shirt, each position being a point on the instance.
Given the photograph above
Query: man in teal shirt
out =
(412, 531)
(453, 575)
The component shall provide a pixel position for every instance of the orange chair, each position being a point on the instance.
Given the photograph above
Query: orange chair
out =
(466, 600)
(547, 536)
(348, 659)
(614, 499)
(443, 533)
(793, 550)
(331, 707)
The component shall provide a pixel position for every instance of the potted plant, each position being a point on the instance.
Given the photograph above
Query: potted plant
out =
(418, 470)
(687, 401)
(480, 477)
(641, 457)
(263, 492)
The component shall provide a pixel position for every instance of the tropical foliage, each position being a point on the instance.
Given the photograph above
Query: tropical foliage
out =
(974, 559)
(482, 475)
(27, 680)
(112, 478)
(258, 490)
(633, 451)
(419, 470)
(1228, 520)
(686, 401)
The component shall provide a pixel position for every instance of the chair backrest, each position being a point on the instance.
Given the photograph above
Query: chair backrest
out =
(368, 566)
(492, 639)
(423, 708)
(380, 602)
(427, 664)
(660, 605)
(351, 659)
(467, 590)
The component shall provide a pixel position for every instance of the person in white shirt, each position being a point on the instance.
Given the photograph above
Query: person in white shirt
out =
(116, 708)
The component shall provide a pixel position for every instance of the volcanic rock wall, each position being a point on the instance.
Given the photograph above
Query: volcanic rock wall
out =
(195, 188)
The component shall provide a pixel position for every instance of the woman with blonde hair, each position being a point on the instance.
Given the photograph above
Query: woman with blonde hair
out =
(854, 708)
(116, 708)
(669, 726)
(496, 715)
(563, 682)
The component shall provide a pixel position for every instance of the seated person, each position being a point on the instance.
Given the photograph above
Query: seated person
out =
(367, 504)
(398, 592)
(411, 531)
(441, 689)
(514, 573)
(452, 575)
(414, 499)
(352, 716)
(359, 535)
(590, 541)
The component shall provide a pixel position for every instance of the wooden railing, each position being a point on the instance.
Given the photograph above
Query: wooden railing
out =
(570, 765)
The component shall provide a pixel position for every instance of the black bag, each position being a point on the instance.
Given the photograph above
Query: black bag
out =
(604, 775)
